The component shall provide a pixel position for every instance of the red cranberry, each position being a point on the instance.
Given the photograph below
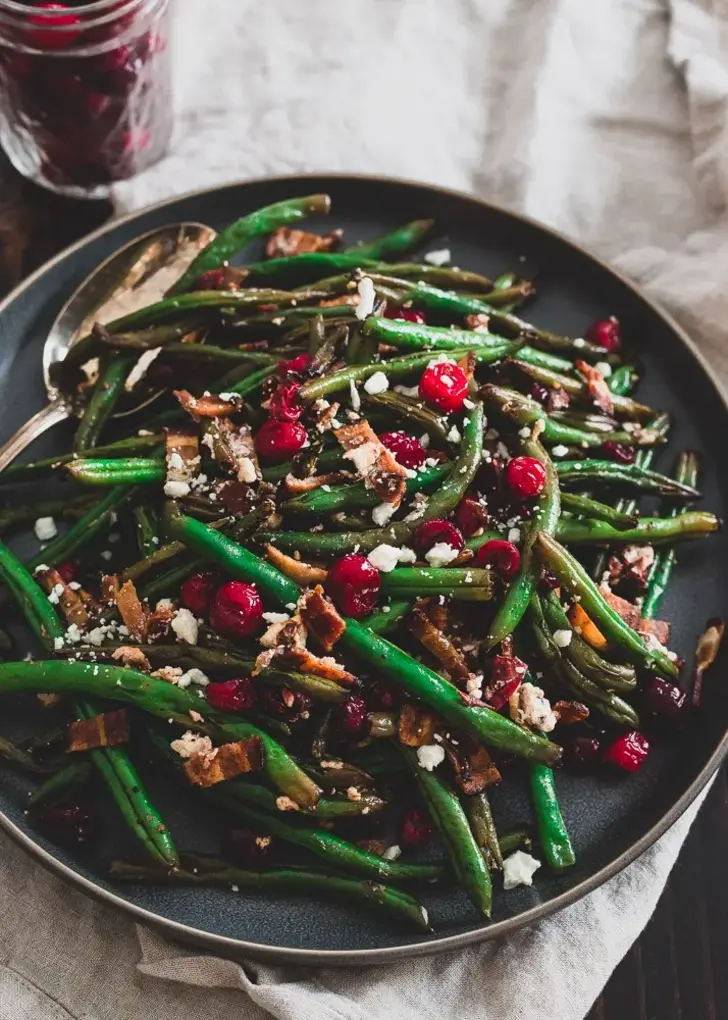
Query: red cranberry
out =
(437, 530)
(582, 752)
(298, 365)
(408, 451)
(353, 584)
(548, 581)
(471, 515)
(664, 698)
(70, 825)
(502, 556)
(606, 333)
(444, 386)
(351, 716)
(45, 28)
(247, 848)
(236, 610)
(538, 392)
(408, 314)
(232, 695)
(616, 451)
(284, 703)
(416, 828)
(628, 751)
(197, 591)
(67, 571)
(278, 440)
(285, 403)
(525, 477)
(213, 279)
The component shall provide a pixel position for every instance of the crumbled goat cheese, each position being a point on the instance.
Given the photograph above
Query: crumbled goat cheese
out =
(175, 462)
(425, 440)
(518, 869)
(454, 435)
(246, 470)
(192, 676)
(73, 634)
(45, 529)
(441, 554)
(384, 557)
(284, 803)
(653, 645)
(529, 707)
(392, 852)
(562, 638)
(367, 297)
(604, 368)
(276, 617)
(58, 643)
(41, 568)
(514, 535)
(141, 368)
(560, 450)
(377, 383)
(525, 432)
(438, 258)
(185, 626)
(191, 743)
(354, 396)
(364, 457)
(429, 756)
(176, 490)
(106, 554)
(579, 341)
(474, 684)
(407, 391)
(382, 513)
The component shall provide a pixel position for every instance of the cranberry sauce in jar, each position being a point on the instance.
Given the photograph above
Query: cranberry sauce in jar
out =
(85, 91)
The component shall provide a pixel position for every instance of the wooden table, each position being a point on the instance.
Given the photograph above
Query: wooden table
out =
(675, 970)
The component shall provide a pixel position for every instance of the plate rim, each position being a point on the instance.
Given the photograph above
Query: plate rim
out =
(360, 957)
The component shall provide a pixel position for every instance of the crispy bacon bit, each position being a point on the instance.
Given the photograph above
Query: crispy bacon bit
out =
(110, 585)
(109, 729)
(183, 454)
(133, 611)
(416, 725)
(631, 566)
(473, 766)
(438, 644)
(209, 406)
(49, 700)
(71, 602)
(298, 571)
(170, 674)
(631, 615)
(342, 299)
(233, 445)
(324, 415)
(571, 712)
(480, 322)
(373, 846)
(596, 384)
(286, 804)
(706, 652)
(296, 486)
(557, 400)
(373, 461)
(303, 661)
(506, 677)
(132, 656)
(225, 762)
(468, 364)
(320, 617)
(289, 241)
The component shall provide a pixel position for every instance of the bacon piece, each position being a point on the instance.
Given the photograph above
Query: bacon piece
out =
(132, 656)
(133, 611)
(571, 712)
(324, 415)
(342, 299)
(659, 629)
(373, 461)
(170, 674)
(438, 644)
(304, 661)
(110, 585)
(468, 364)
(557, 400)
(597, 385)
(298, 485)
(631, 566)
(472, 764)
(209, 406)
(108, 729)
(233, 445)
(225, 762)
(479, 322)
(301, 573)
(71, 602)
(183, 454)
(416, 725)
(320, 617)
(288, 241)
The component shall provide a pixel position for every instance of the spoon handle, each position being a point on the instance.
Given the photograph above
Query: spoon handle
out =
(58, 410)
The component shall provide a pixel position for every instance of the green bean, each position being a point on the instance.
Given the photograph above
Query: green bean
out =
(85, 529)
(119, 471)
(395, 242)
(20, 757)
(170, 581)
(106, 393)
(244, 230)
(650, 530)
(327, 460)
(22, 472)
(205, 352)
(480, 816)
(411, 411)
(463, 852)
(147, 529)
(442, 276)
(622, 380)
(62, 784)
(578, 388)
(577, 582)
(309, 266)
(624, 475)
(388, 617)
(552, 832)
(586, 507)
(25, 513)
(356, 496)
(511, 841)
(31, 599)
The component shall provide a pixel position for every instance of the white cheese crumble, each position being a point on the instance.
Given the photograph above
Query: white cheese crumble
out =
(529, 707)
(392, 852)
(382, 513)
(440, 257)
(191, 743)
(185, 626)
(518, 869)
(45, 529)
(367, 296)
(429, 756)
(604, 368)
(377, 383)
(354, 396)
(514, 535)
(141, 368)
(176, 490)
(453, 435)
(407, 391)
(386, 557)
(579, 341)
(560, 450)
(363, 457)
(441, 554)
(58, 643)
(525, 432)
(193, 676)
(276, 617)
(562, 638)
(73, 634)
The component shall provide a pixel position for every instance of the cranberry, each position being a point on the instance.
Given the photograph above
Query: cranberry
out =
(278, 440)
(582, 752)
(628, 751)
(408, 314)
(548, 581)
(408, 451)
(285, 403)
(213, 279)
(436, 531)
(298, 365)
(538, 392)
(502, 556)
(606, 333)
(351, 716)
(416, 828)
(444, 386)
(664, 698)
(616, 451)
(246, 848)
(232, 695)
(525, 477)
(471, 515)
(44, 27)
(67, 571)
(197, 591)
(70, 824)
(285, 703)
(236, 610)
(353, 584)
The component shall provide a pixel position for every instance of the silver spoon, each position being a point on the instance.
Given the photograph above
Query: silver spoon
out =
(136, 275)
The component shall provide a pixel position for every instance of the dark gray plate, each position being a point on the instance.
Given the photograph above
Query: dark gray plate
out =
(612, 820)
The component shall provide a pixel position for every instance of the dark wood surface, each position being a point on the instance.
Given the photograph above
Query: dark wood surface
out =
(676, 969)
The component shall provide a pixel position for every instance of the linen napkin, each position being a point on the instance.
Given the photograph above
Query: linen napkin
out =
(605, 119)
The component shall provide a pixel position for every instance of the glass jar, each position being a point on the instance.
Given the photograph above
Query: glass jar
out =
(85, 90)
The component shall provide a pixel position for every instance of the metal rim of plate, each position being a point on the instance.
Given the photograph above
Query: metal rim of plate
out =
(233, 947)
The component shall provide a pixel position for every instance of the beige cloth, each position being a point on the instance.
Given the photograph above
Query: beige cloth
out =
(603, 118)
